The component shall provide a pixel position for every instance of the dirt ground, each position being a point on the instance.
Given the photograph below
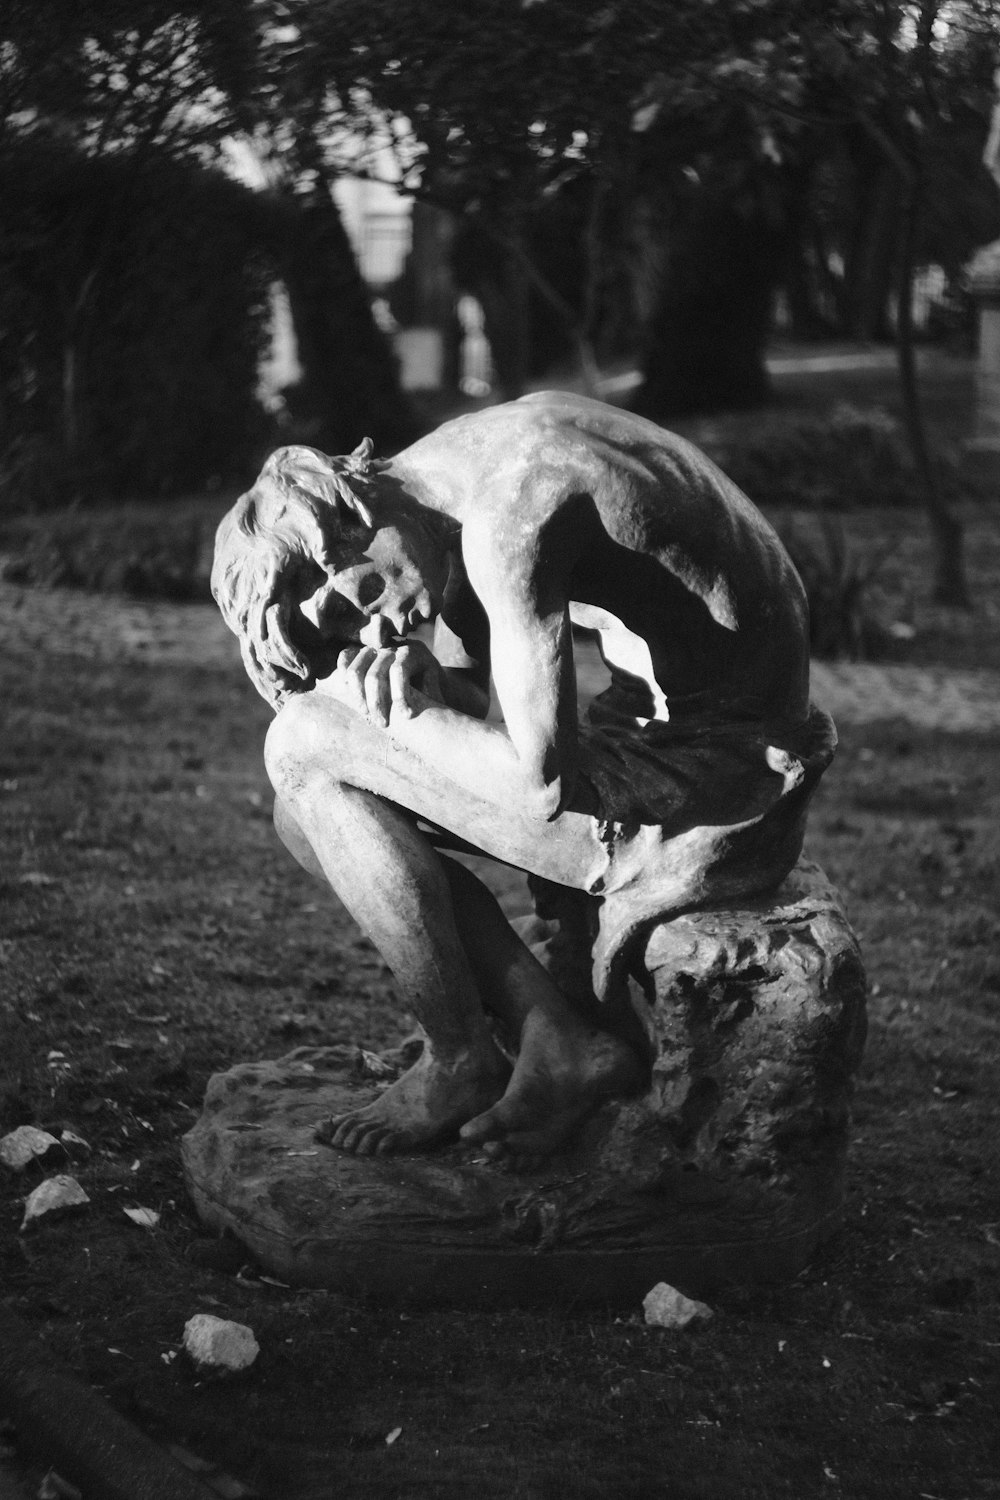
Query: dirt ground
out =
(153, 932)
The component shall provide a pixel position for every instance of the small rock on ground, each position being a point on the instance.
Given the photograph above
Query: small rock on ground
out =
(26, 1144)
(218, 1344)
(666, 1307)
(53, 1197)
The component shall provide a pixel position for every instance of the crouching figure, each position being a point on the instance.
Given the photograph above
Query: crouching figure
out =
(685, 786)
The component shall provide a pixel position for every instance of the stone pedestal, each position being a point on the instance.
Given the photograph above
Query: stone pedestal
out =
(728, 1169)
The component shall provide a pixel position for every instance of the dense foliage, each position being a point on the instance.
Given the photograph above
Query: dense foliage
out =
(135, 274)
(135, 309)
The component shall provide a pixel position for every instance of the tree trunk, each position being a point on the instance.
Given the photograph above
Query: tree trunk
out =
(707, 341)
(807, 318)
(74, 357)
(868, 273)
(70, 423)
(350, 384)
(805, 271)
(950, 586)
(505, 304)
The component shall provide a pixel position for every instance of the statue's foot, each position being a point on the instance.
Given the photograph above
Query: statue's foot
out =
(427, 1104)
(564, 1070)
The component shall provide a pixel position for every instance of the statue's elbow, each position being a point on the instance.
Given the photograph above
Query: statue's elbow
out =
(546, 800)
(548, 777)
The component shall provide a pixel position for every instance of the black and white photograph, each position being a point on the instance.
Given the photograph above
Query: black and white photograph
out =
(499, 749)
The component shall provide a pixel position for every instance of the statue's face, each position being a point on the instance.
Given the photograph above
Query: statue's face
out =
(379, 585)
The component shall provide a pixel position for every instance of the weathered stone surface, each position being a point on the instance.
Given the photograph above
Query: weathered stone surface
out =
(756, 1023)
(729, 1168)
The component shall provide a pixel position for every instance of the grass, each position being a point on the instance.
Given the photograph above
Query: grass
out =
(151, 551)
(153, 932)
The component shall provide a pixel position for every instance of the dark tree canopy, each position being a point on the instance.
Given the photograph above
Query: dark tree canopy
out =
(135, 293)
(631, 178)
(763, 140)
(165, 364)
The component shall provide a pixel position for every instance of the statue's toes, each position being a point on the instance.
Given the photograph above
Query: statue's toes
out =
(361, 1136)
(328, 1130)
(491, 1128)
(345, 1131)
(374, 1140)
(361, 1139)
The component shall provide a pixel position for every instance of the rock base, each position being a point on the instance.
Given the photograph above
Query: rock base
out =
(728, 1170)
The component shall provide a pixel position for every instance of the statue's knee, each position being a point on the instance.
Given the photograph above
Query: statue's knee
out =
(299, 743)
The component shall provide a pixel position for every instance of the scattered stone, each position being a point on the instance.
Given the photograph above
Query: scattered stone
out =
(666, 1307)
(146, 1218)
(218, 1345)
(27, 1144)
(52, 1198)
(75, 1144)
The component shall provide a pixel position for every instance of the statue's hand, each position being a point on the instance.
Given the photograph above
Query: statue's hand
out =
(414, 675)
(394, 682)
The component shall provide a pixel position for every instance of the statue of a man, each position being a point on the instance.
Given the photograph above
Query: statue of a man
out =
(686, 786)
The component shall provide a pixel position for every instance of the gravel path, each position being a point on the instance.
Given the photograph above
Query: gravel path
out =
(42, 622)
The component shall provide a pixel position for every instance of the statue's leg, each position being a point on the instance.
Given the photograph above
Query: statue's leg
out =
(565, 1064)
(444, 936)
(391, 881)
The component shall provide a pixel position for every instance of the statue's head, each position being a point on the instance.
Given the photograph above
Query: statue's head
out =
(310, 556)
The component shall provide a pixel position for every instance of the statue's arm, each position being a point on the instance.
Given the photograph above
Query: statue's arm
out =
(529, 762)
(462, 648)
(520, 576)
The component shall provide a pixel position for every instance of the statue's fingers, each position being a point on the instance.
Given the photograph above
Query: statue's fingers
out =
(360, 660)
(351, 671)
(377, 690)
(400, 678)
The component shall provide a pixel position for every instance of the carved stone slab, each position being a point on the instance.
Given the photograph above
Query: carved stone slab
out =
(729, 1169)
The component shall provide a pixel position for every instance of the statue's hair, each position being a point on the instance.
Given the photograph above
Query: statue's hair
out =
(301, 502)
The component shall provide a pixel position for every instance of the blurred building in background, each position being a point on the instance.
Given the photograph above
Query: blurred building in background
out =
(403, 247)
